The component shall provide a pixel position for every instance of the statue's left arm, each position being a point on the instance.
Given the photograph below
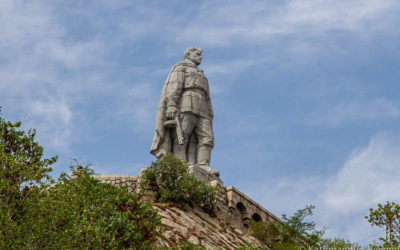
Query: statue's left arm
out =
(174, 88)
(169, 100)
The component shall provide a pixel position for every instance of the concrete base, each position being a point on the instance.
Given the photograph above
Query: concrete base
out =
(204, 173)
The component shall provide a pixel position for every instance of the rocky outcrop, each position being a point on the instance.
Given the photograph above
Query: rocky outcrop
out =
(201, 229)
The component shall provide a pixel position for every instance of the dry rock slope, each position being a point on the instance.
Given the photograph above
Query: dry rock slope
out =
(200, 229)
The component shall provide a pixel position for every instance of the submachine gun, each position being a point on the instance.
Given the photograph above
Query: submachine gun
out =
(176, 123)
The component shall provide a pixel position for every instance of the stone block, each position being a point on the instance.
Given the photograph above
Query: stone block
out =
(203, 174)
(194, 240)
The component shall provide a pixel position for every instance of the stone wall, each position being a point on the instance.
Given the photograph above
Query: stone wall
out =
(245, 209)
(125, 180)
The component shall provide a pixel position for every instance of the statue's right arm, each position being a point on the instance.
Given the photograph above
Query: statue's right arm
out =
(173, 91)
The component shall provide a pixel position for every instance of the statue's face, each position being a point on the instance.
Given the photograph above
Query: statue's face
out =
(195, 57)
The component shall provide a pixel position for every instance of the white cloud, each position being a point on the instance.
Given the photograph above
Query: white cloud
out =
(42, 73)
(52, 110)
(52, 119)
(254, 22)
(229, 67)
(355, 110)
(345, 15)
(368, 177)
(139, 102)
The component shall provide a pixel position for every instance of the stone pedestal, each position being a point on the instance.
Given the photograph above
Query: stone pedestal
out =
(204, 173)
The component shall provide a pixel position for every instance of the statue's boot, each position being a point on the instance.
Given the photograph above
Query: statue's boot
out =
(203, 159)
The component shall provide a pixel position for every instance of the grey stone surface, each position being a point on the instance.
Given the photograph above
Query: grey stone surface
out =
(129, 181)
(185, 114)
(201, 229)
(204, 173)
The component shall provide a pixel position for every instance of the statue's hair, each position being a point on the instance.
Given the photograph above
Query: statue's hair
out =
(190, 50)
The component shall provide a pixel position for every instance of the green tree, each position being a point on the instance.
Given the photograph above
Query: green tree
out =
(297, 228)
(23, 174)
(176, 184)
(37, 213)
(296, 232)
(85, 213)
(388, 216)
(337, 243)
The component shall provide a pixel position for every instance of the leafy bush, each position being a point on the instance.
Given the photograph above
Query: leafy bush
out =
(297, 230)
(274, 235)
(268, 233)
(338, 243)
(78, 213)
(84, 212)
(176, 184)
(23, 174)
(296, 233)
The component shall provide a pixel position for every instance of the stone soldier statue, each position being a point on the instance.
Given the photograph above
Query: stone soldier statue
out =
(184, 118)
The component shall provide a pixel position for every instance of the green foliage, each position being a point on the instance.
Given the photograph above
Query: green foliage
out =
(295, 233)
(388, 216)
(297, 227)
(338, 243)
(86, 213)
(87, 167)
(78, 213)
(268, 233)
(23, 173)
(275, 235)
(176, 184)
(378, 246)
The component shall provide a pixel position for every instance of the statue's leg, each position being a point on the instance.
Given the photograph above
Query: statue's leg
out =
(187, 122)
(204, 156)
(192, 149)
(205, 136)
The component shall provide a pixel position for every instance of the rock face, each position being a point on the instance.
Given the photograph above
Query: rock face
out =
(200, 229)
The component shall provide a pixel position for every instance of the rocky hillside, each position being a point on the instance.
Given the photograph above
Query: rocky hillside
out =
(200, 229)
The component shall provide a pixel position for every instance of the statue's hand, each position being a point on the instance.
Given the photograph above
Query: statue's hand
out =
(171, 111)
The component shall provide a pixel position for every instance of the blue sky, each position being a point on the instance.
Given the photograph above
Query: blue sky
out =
(305, 92)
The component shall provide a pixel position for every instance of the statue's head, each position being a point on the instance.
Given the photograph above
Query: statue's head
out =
(193, 54)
